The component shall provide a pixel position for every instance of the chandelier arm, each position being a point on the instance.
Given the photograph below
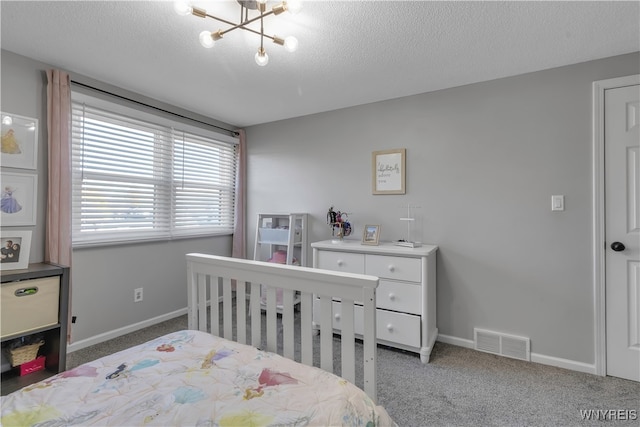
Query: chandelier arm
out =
(242, 24)
(220, 19)
(254, 32)
(262, 32)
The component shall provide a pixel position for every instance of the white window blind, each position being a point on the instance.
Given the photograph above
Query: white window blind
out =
(138, 180)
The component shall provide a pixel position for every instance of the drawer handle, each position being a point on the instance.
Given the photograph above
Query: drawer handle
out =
(392, 268)
(390, 327)
(25, 292)
(340, 262)
(392, 296)
(337, 316)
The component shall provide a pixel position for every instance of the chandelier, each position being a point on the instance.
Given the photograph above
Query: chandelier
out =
(208, 38)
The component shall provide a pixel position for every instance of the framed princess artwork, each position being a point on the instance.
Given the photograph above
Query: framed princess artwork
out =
(18, 199)
(15, 247)
(19, 141)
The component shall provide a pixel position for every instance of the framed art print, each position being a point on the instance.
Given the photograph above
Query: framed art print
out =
(19, 141)
(371, 235)
(18, 199)
(388, 171)
(15, 247)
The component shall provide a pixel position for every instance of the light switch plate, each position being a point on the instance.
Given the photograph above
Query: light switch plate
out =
(557, 203)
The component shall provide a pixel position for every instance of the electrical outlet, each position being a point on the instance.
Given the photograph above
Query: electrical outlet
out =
(137, 295)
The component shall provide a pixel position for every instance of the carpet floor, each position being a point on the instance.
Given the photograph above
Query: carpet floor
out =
(464, 387)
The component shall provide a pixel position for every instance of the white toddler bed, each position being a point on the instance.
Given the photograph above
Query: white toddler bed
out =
(195, 377)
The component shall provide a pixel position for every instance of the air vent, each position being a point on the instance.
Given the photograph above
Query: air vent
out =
(502, 344)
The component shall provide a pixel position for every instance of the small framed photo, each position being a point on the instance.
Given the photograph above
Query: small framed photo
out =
(18, 199)
(14, 250)
(371, 235)
(388, 171)
(19, 141)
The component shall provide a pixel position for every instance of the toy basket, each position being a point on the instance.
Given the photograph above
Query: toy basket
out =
(24, 354)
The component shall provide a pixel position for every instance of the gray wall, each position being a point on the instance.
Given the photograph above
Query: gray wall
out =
(482, 163)
(104, 279)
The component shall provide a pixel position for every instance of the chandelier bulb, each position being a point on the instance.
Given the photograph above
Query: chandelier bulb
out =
(293, 6)
(261, 57)
(291, 44)
(182, 8)
(206, 39)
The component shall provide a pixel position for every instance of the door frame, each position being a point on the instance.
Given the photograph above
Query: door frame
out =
(599, 268)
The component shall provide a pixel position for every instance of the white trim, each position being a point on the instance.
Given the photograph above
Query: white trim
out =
(563, 363)
(598, 249)
(460, 342)
(97, 339)
(535, 358)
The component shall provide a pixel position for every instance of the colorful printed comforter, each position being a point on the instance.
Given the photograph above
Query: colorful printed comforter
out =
(196, 379)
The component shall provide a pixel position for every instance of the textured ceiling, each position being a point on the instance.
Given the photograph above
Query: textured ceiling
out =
(351, 52)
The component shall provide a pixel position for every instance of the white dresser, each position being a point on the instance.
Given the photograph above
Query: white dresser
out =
(406, 296)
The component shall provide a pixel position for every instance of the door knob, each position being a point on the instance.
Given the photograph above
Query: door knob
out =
(617, 246)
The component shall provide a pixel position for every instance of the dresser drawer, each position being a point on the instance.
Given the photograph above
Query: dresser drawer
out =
(391, 267)
(29, 305)
(399, 328)
(341, 261)
(399, 296)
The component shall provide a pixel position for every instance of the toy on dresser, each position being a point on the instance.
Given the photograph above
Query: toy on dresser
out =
(340, 225)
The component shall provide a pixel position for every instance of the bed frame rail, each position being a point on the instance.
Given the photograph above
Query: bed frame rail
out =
(211, 275)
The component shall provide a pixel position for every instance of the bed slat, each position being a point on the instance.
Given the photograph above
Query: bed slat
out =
(348, 340)
(227, 308)
(192, 297)
(288, 338)
(326, 333)
(241, 312)
(306, 328)
(370, 365)
(202, 303)
(272, 319)
(214, 294)
(314, 287)
(254, 303)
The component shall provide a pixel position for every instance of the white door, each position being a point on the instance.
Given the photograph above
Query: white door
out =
(622, 230)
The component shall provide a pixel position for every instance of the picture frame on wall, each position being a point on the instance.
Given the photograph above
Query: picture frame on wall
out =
(18, 199)
(19, 141)
(371, 235)
(388, 171)
(15, 246)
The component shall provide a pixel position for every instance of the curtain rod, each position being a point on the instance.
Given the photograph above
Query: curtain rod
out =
(232, 132)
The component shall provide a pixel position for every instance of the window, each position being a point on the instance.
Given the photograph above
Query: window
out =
(139, 177)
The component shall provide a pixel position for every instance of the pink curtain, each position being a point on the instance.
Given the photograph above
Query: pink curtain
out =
(239, 249)
(58, 233)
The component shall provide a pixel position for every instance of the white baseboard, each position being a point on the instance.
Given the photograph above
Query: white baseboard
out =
(536, 358)
(460, 342)
(564, 363)
(79, 345)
